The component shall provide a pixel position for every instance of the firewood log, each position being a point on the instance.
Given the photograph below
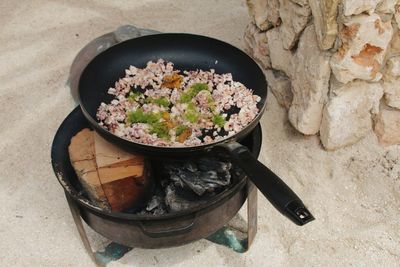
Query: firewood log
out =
(124, 176)
(113, 179)
(82, 157)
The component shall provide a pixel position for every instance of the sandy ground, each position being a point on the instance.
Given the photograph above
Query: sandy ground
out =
(354, 193)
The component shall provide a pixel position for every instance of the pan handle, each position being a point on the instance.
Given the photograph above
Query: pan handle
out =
(272, 187)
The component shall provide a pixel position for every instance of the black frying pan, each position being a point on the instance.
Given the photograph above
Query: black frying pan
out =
(189, 52)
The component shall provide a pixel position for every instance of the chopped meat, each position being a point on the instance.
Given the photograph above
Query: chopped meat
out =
(159, 105)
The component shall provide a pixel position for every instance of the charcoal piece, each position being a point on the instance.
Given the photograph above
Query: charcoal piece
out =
(176, 177)
(159, 211)
(177, 202)
(189, 194)
(205, 164)
(190, 166)
(155, 212)
(208, 176)
(154, 202)
(193, 181)
(212, 179)
(202, 176)
(155, 206)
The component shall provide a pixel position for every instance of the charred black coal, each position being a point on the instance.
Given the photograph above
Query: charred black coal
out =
(155, 206)
(204, 175)
(187, 184)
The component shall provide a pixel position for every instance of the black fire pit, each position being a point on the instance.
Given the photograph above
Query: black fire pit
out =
(147, 231)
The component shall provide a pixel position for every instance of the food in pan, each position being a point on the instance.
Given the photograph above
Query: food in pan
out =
(162, 106)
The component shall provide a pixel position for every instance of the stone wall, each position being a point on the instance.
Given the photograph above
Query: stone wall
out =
(334, 64)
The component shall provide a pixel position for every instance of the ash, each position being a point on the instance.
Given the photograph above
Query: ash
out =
(188, 184)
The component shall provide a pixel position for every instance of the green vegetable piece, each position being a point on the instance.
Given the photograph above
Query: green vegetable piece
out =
(140, 116)
(191, 117)
(180, 129)
(133, 95)
(191, 107)
(192, 91)
(219, 120)
(191, 113)
(160, 129)
(162, 101)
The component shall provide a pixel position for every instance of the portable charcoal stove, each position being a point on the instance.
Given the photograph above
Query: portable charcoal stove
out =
(146, 231)
(152, 231)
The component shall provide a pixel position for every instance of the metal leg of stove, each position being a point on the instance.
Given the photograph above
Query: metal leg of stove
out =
(251, 213)
(79, 225)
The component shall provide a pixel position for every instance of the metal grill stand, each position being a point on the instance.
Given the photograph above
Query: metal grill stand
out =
(250, 235)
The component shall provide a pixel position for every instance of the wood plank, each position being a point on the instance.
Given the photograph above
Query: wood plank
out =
(123, 175)
(82, 157)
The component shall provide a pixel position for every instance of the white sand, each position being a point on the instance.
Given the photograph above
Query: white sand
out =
(354, 193)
